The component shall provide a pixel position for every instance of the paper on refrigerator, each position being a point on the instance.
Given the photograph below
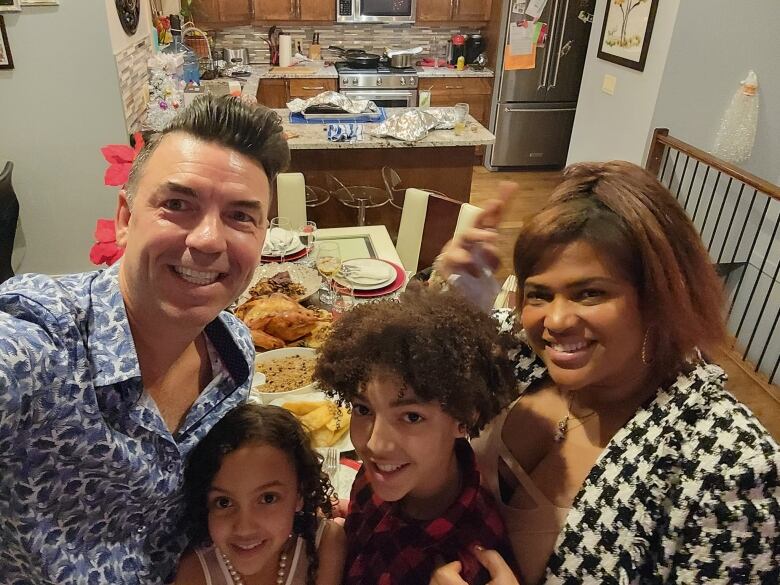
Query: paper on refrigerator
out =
(535, 8)
(520, 51)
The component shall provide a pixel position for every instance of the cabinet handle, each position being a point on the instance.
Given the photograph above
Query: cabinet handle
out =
(299, 8)
(292, 8)
(452, 9)
(319, 87)
(453, 87)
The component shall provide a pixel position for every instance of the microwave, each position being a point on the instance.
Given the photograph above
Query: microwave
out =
(392, 11)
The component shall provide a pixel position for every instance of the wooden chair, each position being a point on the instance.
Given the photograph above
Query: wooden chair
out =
(428, 221)
(9, 216)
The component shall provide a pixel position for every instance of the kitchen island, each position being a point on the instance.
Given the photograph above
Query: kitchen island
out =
(442, 161)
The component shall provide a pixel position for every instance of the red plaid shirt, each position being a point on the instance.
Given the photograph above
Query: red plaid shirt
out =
(386, 548)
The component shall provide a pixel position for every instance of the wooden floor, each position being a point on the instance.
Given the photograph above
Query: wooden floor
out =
(535, 187)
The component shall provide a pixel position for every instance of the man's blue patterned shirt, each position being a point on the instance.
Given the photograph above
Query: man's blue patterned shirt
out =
(90, 476)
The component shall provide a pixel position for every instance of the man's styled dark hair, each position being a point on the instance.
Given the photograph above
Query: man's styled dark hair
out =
(254, 131)
(438, 343)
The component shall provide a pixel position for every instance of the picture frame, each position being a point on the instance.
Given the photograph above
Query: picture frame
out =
(626, 32)
(10, 6)
(40, 2)
(6, 61)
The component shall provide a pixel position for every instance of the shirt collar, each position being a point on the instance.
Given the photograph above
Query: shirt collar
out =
(110, 344)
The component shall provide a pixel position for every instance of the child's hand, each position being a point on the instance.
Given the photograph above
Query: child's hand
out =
(500, 573)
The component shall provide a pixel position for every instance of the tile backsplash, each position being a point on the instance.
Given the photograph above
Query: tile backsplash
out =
(134, 81)
(372, 38)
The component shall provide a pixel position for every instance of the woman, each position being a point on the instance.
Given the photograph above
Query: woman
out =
(624, 460)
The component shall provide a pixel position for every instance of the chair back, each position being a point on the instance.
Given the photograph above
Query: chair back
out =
(291, 194)
(428, 221)
(468, 214)
(9, 216)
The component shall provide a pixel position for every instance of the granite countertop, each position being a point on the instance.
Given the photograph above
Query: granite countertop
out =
(314, 136)
(424, 72)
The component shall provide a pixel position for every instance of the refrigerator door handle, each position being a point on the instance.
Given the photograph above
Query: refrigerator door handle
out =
(511, 110)
(548, 50)
(560, 48)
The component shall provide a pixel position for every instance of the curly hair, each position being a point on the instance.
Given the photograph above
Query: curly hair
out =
(264, 425)
(437, 342)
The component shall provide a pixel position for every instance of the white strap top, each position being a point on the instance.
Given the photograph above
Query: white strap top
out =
(216, 572)
(532, 531)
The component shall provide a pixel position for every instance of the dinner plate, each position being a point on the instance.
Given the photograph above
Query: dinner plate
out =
(397, 283)
(286, 258)
(374, 264)
(295, 244)
(344, 444)
(307, 277)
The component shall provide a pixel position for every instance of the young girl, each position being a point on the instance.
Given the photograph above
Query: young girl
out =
(254, 489)
(421, 375)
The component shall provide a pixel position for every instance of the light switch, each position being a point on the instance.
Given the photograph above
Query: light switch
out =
(608, 85)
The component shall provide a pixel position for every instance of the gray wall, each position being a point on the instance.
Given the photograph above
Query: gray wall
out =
(712, 50)
(616, 126)
(58, 106)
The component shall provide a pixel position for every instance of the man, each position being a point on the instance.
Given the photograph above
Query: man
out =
(109, 378)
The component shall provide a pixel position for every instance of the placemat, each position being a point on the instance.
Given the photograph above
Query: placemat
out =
(297, 118)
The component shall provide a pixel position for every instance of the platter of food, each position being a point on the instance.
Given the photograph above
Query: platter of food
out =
(294, 280)
(327, 423)
(283, 372)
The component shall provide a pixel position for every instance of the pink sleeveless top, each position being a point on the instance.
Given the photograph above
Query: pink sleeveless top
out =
(216, 572)
(532, 531)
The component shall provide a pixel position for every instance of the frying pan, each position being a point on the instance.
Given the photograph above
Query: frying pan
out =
(357, 58)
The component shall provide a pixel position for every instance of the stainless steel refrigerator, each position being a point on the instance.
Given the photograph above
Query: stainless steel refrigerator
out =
(532, 110)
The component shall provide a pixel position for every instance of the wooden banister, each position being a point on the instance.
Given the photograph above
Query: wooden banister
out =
(661, 139)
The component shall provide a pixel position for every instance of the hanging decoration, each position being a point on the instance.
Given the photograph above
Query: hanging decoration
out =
(737, 133)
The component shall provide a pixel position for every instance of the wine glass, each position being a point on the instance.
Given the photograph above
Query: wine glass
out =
(280, 236)
(344, 299)
(328, 264)
(306, 235)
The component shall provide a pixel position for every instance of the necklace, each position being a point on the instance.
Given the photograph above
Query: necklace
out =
(236, 576)
(563, 424)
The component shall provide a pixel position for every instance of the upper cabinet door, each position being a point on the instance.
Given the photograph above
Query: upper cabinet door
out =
(472, 10)
(205, 12)
(266, 10)
(235, 11)
(434, 10)
(323, 10)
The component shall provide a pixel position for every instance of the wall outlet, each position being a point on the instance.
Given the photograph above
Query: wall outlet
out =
(608, 85)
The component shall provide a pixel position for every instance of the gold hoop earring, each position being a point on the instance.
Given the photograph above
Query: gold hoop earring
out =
(645, 360)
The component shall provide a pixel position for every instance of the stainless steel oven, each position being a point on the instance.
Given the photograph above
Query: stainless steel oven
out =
(391, 11)
(384, 98)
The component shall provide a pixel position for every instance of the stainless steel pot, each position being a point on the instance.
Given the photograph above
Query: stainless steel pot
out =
(401, 61)
(235, 57)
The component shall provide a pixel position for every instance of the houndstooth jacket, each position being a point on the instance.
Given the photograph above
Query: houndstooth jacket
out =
(686, 492)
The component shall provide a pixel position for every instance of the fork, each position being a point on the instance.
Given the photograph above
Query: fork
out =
(330, 464)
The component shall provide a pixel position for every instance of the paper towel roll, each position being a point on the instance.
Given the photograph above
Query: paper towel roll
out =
(285, 50)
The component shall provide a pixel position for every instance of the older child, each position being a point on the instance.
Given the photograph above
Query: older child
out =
(254, 490)
(421, 375)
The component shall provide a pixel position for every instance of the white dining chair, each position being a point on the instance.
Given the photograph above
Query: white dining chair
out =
(428, 221)
(291, 197)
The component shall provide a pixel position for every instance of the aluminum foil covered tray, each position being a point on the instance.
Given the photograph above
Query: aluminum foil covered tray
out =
(413, 124)
(332, 102)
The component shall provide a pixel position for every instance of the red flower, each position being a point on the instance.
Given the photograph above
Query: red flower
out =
(105, 250)
(120, 159)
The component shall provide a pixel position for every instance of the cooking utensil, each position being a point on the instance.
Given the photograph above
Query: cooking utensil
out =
(400, 61)
(346, 52)
(237, 57)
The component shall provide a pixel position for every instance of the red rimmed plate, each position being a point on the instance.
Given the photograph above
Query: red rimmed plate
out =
(400, 279)
(287, 257)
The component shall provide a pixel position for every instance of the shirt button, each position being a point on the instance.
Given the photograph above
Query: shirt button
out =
(141, 529)
(171, 467)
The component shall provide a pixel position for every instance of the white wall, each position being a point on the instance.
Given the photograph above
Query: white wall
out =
(616, 126)
(119, 38)
(58, 106)
(711, 52)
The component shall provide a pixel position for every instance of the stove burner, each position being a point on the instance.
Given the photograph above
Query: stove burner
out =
(380, 77)
(381, 69)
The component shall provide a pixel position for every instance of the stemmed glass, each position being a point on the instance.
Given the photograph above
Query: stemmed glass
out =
(280, 236)
(328, 264)
(306, 235)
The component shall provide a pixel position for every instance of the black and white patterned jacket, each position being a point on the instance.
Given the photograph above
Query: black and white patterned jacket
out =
(686, 492)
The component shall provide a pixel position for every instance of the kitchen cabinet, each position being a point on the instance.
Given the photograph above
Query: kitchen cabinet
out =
(217, 13)
(453, 11)
(275, 93)
(266, 11)
(448, 91)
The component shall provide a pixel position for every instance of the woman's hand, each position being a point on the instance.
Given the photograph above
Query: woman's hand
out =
(457, 255)
(500, 573)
